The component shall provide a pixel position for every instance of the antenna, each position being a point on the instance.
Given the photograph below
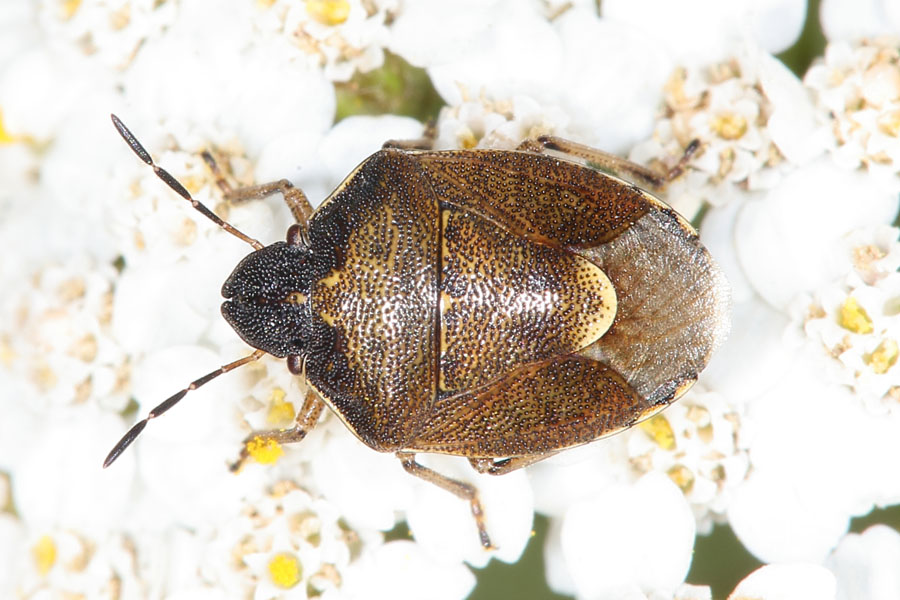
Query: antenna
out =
(172, 401)
(175, 185)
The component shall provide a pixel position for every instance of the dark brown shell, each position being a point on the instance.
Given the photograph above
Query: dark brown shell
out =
(497, 304)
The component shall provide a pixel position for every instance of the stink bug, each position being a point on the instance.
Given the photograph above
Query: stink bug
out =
(496, 305)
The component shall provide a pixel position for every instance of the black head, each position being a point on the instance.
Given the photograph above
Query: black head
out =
(268, 302)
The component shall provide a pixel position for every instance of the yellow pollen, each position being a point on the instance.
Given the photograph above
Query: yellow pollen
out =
(889, 123)
(280, 412)
(68, 8)
(285, 570)
(682, 476)
(5, 136)
(265, 451)
(729, 126)
(328, 12)
(660, 431)
(854, 317)
(884, 357)
(44, 554)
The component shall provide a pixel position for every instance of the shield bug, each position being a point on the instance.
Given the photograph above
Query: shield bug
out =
(496, 305)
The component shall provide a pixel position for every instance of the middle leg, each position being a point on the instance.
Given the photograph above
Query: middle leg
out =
(459, 489)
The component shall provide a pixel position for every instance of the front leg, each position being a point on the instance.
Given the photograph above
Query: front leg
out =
(294, 197)
(306, 419)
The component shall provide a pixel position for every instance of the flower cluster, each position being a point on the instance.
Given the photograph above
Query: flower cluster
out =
(855, 319)
(857, 87)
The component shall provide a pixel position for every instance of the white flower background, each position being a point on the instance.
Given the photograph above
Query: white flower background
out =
(110, 292)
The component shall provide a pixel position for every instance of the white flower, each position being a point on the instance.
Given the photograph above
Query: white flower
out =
(812, 449)
(858, 91)
(402, 570)
(706, 31)
(341, 36)
(865, 565)
(852, 19)
(110, 31)
(56, 336)
(750, 114)
(855, 321)
(68, 562)
(788, 242)
(784, 582)
(285, 544)
(698, 443)
(608, 542)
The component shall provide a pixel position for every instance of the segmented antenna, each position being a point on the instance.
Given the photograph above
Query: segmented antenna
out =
(172, 401)
(175, 185)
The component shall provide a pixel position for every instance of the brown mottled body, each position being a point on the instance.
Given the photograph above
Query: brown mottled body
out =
(472, 305)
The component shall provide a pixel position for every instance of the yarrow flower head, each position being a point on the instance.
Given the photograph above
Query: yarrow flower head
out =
(857, 89)
(56, 337)
(856, 320)
(698, 444)
(111, 30)
(738, 110)
(288, 545)
(339, 36)
(483, 122)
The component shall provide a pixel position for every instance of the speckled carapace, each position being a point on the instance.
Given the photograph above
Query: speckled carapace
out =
(496, 305)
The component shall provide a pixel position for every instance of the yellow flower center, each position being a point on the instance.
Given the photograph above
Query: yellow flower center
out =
(285, 570)
(44, 554)
(328, 12)
(854, 317)
(660, 431)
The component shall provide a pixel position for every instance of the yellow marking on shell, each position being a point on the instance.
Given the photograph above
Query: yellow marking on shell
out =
(333, 307)
(265, 451)
(854, 317)
(285, 570)
(296, 298)
(660, 431)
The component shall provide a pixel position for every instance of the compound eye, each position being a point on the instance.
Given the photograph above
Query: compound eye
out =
(295, 364)
(296, 235)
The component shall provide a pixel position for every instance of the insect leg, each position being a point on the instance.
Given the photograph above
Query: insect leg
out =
(294, 197)
(507, 465)
(426, 142)
(617, 165)
(306, 419)
(457, 488)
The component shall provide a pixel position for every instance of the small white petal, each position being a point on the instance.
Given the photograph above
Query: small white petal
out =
(865, 564)
(630, 536)
(786, 582)
(842, 20)
(402, 570)
(59, 480)
(443, 524)
(787, 242)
